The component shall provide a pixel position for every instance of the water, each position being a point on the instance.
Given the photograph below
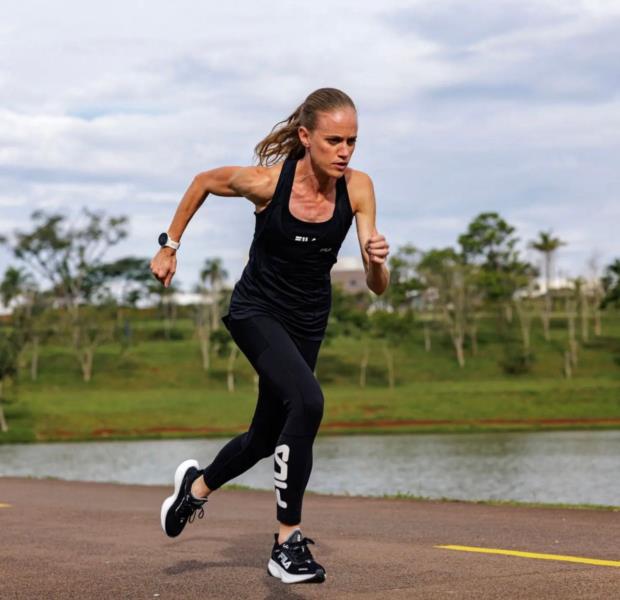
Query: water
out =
(569, 466)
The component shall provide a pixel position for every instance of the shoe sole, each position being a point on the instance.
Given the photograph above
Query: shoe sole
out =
(179, 474)
(275, 570)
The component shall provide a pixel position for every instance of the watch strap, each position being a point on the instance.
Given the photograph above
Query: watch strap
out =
(172, 244)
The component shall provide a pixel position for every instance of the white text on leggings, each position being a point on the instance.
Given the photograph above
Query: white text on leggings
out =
(281, 473)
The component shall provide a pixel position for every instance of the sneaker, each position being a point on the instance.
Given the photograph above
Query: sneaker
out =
(181, 508)
(292, 561)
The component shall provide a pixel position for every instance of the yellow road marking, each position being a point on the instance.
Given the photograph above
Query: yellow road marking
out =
(4, 505)
(574, 559)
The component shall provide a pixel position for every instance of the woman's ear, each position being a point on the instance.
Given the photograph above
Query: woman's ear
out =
(304, 136)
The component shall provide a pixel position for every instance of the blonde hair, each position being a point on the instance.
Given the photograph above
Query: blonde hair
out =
(283, 141)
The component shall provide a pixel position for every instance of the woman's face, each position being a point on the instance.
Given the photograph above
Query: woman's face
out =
(332, 142)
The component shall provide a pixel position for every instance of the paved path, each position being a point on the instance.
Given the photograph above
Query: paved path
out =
(82, 540)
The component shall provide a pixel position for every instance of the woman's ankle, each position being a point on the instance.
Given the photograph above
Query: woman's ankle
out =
(199, 488)
(285, 531)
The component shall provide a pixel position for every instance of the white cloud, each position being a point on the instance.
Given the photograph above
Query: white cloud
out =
(464, 107)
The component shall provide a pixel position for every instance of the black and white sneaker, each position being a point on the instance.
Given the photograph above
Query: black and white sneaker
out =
(181, 508)
(292, 561)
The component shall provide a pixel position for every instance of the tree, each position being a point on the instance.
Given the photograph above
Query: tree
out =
(69, 257)
(391, 330)
(208, 310)
(9, 351)
(214, 273)
(547, 245)
(165, 303)
(611, 285)
(490, 244)
(132, 279)
(596, 293)
(349, 317)
(225, 345)
(29, 316)
(456, 293)
(404, 280)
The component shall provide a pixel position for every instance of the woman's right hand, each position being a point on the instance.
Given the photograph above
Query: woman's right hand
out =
(164, 265)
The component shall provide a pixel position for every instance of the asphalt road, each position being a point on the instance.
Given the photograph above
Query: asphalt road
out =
(85, 540)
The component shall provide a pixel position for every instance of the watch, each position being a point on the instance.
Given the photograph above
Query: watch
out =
(164, 240)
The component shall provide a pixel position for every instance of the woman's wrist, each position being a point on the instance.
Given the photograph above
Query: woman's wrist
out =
(378, 277)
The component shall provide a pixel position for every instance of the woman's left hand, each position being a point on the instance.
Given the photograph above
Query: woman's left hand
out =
(377, 248)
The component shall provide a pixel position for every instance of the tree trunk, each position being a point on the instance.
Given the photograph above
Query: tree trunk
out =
(389, 359)
(167, 325)
(508, 313)
(204, 337)
(3, 424)
(525, 322)
(87, 362)
(215, 311)
(545, 317)
(34, 359)
(584, 317)
(572, 342)
(598, 330)
(230, 373)
(427, 337)
(457, 340)
(473, 337)
(568, 370)
(364, 365)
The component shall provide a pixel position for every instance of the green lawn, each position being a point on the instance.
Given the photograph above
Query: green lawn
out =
(158, 389)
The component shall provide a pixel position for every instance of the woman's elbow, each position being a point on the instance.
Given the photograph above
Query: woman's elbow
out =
(201, 182)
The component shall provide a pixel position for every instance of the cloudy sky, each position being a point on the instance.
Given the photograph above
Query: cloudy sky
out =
(464, 107)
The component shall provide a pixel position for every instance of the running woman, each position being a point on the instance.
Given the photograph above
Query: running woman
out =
(305, 196)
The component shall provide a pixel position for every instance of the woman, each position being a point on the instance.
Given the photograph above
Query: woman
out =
(304, 206)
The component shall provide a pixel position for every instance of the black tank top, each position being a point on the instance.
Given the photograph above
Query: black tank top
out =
(287, 274)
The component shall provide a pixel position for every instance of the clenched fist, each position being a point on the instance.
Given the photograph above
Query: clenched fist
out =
(164, 265)
(377, 248)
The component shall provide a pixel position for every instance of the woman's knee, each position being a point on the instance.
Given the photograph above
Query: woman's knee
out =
(313, 405)
(260, 443)
(306, 411)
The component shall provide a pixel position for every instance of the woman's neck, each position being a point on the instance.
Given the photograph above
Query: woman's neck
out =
(312, 178)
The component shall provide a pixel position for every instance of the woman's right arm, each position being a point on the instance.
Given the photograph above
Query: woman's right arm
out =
(254, 183)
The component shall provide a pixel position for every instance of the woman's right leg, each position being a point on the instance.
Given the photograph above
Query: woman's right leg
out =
(245, 450)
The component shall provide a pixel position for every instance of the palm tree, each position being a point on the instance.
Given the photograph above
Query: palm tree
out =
(213, 273)
(16, 282)
(547, 245)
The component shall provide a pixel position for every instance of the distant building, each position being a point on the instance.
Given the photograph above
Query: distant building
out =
(5, 310)
(349, 274)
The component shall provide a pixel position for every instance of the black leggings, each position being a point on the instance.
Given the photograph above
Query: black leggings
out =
(287, 416)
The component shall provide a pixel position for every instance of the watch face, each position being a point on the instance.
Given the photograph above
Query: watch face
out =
(163, 238)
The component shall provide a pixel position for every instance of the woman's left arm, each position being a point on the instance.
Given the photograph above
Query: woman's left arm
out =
(373, 245)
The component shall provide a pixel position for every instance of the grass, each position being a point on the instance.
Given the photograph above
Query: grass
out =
(157, 388)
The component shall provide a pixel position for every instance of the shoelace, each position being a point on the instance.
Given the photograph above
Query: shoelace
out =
(190, 507)
(301, 551)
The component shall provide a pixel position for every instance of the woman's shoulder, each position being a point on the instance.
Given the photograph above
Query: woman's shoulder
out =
(357, 179)
(257, 183)
(359, 187)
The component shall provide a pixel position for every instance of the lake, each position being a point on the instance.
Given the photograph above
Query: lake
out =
(574, 467)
